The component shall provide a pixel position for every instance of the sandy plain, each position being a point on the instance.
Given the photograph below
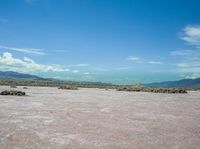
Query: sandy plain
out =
(49, 118)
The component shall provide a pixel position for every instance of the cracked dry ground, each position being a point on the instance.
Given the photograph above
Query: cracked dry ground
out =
(99, 119)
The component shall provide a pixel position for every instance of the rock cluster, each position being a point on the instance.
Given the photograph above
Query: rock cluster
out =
(14, 93)
(68, 87)
(151, 89)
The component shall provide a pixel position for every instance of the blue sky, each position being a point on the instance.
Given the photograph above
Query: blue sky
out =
(115, 41)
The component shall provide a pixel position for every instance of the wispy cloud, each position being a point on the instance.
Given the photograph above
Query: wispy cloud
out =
(181, 53)
(139, 59)
(155, 62)
(191, 34)
(186, 53)
(8, 62)
(133, 58)
(81, 65)
(24, 50)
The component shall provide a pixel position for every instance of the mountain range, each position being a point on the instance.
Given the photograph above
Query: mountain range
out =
(185, 83)
(17, 75)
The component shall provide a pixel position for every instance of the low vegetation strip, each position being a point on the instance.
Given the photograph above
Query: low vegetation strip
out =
(13, 83)
(13, 93)
(151, 89)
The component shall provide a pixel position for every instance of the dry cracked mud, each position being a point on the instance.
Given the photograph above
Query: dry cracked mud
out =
(99, 119)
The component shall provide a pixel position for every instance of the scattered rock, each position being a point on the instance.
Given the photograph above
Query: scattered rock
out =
(151, 89)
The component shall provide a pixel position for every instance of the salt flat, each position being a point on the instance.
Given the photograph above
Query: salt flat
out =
(98, 118)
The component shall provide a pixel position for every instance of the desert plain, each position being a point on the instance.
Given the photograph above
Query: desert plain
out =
(51, 118)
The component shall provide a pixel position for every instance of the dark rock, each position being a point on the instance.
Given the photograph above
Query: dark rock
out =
(13, 93)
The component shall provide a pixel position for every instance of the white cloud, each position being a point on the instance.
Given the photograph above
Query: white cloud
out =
(8, 62)
(133, 58)
(24, 50)
(28, 60)
(155, 62)
(75, 71)
(191, 34)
